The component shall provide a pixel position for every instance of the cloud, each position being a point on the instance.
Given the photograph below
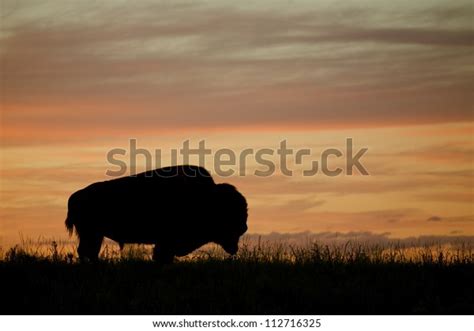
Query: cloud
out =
(146, 65)
(467, 219)
(460, 151)
(343, 186)
(457, 219)
(458, 197)
(95, 73)
(365, 237)
(301, 205)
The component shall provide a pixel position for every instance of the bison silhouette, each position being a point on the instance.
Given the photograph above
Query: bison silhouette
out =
(178, 209)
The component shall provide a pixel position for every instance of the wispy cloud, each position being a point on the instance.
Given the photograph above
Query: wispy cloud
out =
(76, 74)
(356, 238)
(201, 65)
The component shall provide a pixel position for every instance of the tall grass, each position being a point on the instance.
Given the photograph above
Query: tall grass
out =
(265, 277)
(352, 252)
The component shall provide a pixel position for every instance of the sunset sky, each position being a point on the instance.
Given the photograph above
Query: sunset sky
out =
(79, 78)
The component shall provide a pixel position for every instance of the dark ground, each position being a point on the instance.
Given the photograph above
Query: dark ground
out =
(235, 287)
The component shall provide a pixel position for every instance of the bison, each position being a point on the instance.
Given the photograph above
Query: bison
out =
(178, 209)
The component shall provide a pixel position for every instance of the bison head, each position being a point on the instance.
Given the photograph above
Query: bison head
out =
(231, 217)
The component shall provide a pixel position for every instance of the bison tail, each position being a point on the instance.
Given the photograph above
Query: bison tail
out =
(69, 225)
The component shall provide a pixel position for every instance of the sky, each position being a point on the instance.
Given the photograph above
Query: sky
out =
(78, 79)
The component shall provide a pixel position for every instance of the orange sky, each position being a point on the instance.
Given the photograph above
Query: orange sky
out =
(80, 78)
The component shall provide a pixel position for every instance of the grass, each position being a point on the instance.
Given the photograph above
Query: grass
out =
(262, 279)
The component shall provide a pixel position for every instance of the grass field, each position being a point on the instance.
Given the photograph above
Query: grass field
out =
(261, 279)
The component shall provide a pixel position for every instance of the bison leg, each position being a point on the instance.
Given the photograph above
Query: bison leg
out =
(162, 255)
(89, 247)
